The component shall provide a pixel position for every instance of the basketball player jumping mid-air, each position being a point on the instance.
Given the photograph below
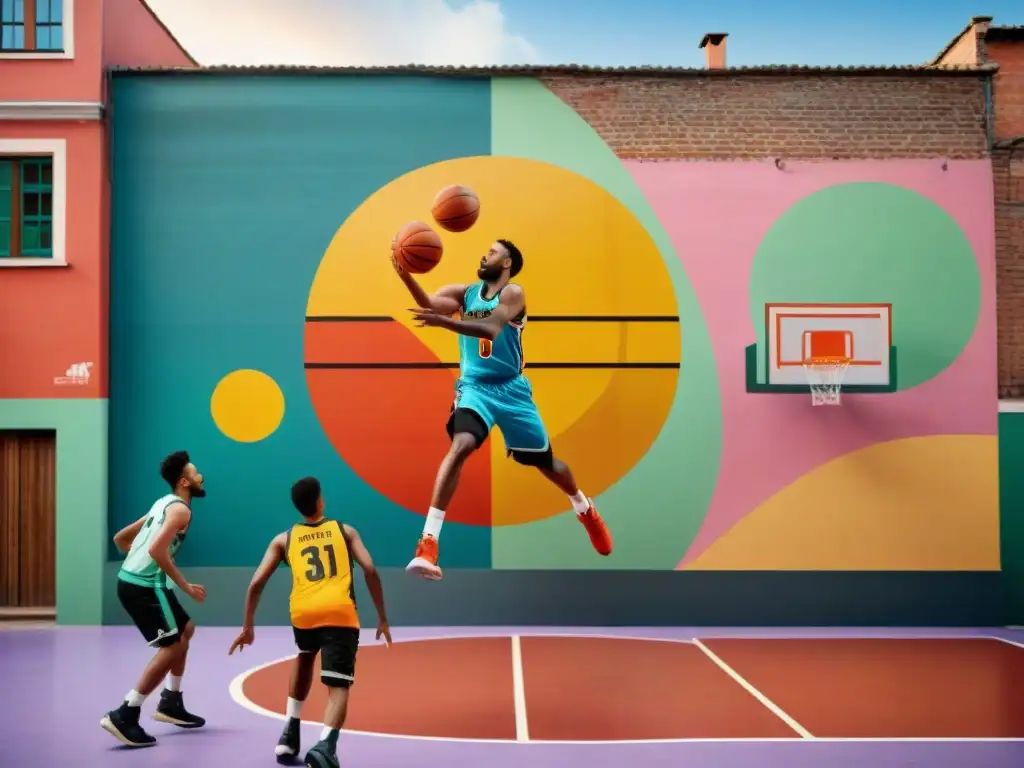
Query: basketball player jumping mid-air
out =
(491, 391)
(319, 552)
(151, 542)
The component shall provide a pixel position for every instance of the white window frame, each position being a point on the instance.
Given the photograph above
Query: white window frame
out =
(68, 29)
(57, 150)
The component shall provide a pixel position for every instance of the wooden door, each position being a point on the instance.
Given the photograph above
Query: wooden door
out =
(27, 519)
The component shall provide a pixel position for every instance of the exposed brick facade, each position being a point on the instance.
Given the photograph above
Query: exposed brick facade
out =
(1008, 87)
(805, 114)
(1008, 182)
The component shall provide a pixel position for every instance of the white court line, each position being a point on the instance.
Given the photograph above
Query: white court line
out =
(1008, 642)
(826, 638)
(768, 703)
(235, 690)
(519, 690)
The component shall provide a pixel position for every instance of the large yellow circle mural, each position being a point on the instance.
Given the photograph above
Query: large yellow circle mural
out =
(602, 342)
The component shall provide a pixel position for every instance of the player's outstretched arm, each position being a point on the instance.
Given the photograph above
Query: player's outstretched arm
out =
(361, 555)
(123, 539)
(273, 557)
(511, 303)
(176, 519)
(447, 300)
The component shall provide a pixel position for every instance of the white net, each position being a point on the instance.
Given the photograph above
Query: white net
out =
(825, 375)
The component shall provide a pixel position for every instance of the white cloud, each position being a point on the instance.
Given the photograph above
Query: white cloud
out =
(344, 32)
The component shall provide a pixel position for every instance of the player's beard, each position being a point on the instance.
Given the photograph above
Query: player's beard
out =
(197, 492)
(489, 273)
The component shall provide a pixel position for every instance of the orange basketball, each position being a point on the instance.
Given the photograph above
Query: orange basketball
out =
(456, 208)
(417, 247)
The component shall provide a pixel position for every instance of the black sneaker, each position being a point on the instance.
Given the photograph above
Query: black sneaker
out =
(172, 710)
(287, 749)
(123, 724)
(322, 755)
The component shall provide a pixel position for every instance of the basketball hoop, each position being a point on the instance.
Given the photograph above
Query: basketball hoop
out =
(825, 375)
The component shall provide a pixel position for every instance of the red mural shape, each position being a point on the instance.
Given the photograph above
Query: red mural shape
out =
(388, 424)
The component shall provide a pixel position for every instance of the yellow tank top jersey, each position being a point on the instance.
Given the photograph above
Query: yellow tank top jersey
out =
(323, 594)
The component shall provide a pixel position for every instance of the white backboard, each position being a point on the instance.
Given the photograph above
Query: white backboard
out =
(788, 327)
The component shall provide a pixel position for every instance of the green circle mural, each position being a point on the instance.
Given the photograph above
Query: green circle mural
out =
(874, 242)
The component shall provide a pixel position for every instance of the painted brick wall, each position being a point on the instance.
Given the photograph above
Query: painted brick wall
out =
(797, 115)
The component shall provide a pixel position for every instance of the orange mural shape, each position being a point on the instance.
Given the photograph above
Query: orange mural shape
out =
(389, 423)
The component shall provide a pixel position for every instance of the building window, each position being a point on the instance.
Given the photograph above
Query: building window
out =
(26, 207)
(32, 25)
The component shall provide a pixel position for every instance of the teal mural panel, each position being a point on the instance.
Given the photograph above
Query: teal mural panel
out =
(226, 194)
(1011, 512)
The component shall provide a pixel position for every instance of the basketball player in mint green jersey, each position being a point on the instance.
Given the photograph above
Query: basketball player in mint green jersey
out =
(151, 543)
(491, 391)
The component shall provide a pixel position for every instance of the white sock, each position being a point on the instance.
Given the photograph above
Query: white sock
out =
(580, 503)
(435, 518)
(294, 708)
(134, 698)
(173, 683)
(325, 732)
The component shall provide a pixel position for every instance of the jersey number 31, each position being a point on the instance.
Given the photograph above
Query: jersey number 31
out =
(316, 571)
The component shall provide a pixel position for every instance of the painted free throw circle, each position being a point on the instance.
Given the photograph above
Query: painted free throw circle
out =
(544, 688)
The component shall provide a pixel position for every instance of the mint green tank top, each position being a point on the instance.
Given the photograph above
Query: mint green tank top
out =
(138, 567)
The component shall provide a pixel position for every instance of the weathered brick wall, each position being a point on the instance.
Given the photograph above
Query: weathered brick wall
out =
(1008, 183)
(795, 115)
(1008, 87)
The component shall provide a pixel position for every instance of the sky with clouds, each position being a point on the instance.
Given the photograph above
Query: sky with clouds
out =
(601, 32)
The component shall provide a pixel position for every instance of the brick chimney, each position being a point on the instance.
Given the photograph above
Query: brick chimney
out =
(713, 44)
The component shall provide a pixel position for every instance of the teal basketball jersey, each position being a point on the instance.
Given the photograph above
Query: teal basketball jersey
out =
(138, 567)
(484, 360)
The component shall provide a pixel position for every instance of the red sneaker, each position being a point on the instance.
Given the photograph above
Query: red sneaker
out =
(424, 562)
(600, 536)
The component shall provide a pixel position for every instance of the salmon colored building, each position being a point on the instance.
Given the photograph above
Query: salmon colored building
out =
(54, 250)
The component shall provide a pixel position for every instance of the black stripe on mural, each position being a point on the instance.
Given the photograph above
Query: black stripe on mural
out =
(531, 318)
(449, 366)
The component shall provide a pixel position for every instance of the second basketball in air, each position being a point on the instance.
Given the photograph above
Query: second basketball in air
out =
(456, 208)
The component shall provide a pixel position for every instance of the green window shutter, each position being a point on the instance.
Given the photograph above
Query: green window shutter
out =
(5, 207)
(37, 207)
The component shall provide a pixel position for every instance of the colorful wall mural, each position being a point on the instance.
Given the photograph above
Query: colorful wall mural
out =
(256, 321)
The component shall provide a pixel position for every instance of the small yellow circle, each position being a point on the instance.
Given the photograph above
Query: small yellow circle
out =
(247, 405)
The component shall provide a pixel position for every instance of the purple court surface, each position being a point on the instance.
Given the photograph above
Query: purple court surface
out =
(768, 691)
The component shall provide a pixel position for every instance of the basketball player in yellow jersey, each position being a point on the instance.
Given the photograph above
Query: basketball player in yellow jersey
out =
(319, 551)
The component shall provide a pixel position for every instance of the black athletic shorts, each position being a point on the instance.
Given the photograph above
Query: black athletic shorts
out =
(337, 647)
(155, 611)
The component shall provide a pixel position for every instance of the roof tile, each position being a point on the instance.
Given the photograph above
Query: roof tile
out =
(563, 69)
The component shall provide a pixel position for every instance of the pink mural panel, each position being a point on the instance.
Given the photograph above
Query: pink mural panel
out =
(769, 441)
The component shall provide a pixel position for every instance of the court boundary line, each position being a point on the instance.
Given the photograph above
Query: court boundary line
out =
(1014, 643)
(904, 638)
(237, 694)
(519, 690)
(746, 685)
